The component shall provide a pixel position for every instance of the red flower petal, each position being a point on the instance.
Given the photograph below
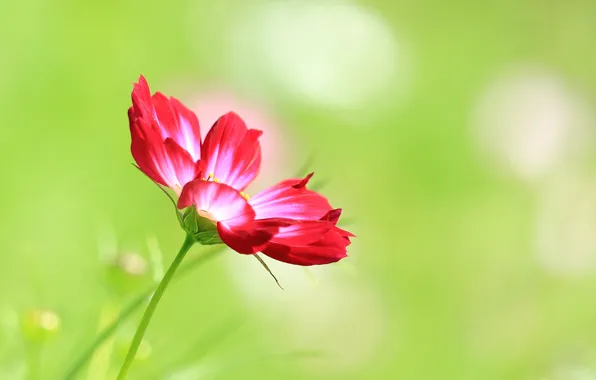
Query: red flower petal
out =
(329, 249)
(176, 121)
(231, 211)
(303, 182)
(189, 131)
(290, 199)
(247, 241)
(299, 233)
(224, 203)
(232, 152)
(140, 153)
(165, 137)
(179, 163)
(333, 217)
(163, 161)
(141, 99)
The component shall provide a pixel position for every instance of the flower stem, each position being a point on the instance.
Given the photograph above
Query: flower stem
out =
(161, 288)
(85, 354)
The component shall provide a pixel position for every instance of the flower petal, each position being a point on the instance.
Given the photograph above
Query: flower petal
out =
(296, 233)
(179, 123)
(163, 161)
(141, 100)
(179, 163)
(247, 241)
(224, 203)
(140, 152)
(333, 217)
(290, 199)
(329, 249)
(166, 140)
(232, 152)
(189, 131)
(234, 216)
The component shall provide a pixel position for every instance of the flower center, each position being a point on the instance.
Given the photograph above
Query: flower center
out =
(207, 215)
(211, 177)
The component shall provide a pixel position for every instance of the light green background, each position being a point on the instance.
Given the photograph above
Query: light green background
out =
(445, 248)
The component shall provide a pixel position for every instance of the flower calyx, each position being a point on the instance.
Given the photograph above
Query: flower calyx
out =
(200, 226)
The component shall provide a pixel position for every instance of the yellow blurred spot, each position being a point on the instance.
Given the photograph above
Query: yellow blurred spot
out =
(38, 325)
(132, 264)
(244, 195)
(47, 320)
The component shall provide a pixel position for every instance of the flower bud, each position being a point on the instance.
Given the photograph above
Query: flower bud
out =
(40, 325)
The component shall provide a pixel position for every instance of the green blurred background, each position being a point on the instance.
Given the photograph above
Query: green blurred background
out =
(457, 136)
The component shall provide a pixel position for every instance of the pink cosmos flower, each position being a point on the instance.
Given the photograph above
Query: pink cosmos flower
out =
(286, 221)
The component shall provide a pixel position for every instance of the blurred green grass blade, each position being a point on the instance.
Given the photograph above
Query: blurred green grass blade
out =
(345, 222)
(318, 185)
(100, 361)
(207, 343)
(127, 311)
(306, 167)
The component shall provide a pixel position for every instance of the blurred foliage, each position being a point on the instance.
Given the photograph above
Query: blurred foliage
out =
(445, 252)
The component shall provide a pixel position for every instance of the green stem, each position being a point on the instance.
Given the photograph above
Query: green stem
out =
(126, 312)
(84, 355)
(161, 288)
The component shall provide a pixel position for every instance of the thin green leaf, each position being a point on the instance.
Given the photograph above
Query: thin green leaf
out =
(268, 270)
(178, 214)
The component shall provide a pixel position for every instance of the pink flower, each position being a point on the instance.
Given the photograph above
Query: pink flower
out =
(287, 221)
